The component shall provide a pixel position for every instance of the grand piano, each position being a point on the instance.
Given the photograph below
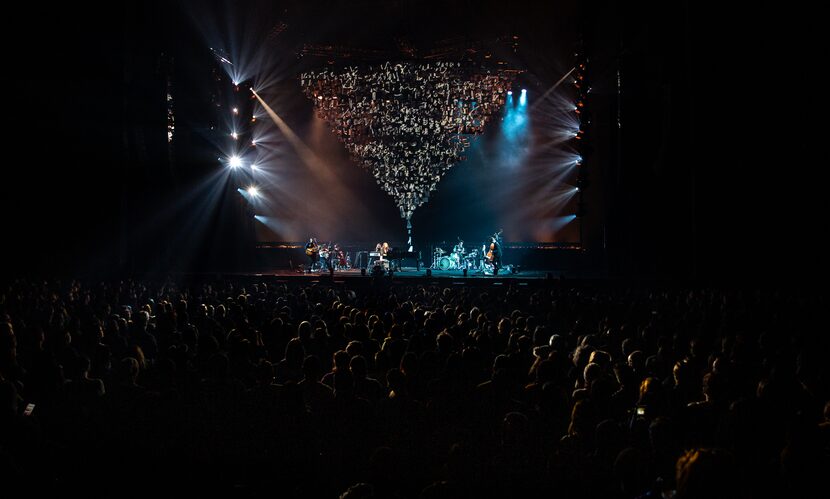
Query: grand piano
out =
(396, 256)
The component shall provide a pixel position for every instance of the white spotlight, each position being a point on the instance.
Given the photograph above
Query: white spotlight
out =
(236, 110)
(235, 161)
(253, 191)
(234, 135)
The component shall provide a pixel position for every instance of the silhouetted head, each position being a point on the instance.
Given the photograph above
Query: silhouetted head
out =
(341, 359)
(265, 372)
(128, 370)
(706, 474)
(358, 366)
(359, 491)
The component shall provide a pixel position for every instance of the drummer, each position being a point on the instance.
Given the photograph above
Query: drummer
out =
(457, 255)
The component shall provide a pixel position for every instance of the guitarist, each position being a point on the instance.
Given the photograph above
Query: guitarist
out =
(312, 250)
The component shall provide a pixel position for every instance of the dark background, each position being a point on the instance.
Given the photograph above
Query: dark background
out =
(715, 171)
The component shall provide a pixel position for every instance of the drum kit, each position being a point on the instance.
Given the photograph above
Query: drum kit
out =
(459, 258)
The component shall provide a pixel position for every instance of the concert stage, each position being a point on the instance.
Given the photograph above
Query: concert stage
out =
(532, 262)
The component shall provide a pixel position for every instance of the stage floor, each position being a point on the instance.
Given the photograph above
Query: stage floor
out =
(410, 274)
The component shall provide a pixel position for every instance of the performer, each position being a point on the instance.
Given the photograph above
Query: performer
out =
(382, 249)
(313, 252)
(494, 254)
(331, 256)
(339, 257)
(457, 255)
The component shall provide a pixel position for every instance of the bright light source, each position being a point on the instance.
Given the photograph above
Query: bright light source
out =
(253, 142)
(236, 110)
(235, 161)
(234, 135)
(524, 90)
(253, 191)
(254, 166)
(509, 92)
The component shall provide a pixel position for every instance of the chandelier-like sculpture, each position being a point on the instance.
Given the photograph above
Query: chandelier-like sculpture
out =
(407, 123)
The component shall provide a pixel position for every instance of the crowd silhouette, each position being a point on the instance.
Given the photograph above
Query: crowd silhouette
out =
(288, 390)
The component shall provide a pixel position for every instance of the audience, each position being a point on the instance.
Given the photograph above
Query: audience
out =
(129, 388)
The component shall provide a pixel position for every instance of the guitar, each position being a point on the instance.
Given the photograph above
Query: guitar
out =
(312, 250)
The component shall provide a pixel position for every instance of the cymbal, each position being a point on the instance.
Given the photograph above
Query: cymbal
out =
(439, 251)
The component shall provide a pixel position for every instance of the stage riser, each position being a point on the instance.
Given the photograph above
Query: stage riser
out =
(558, 259)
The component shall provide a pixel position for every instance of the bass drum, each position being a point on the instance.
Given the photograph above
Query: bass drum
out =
(444, 263)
